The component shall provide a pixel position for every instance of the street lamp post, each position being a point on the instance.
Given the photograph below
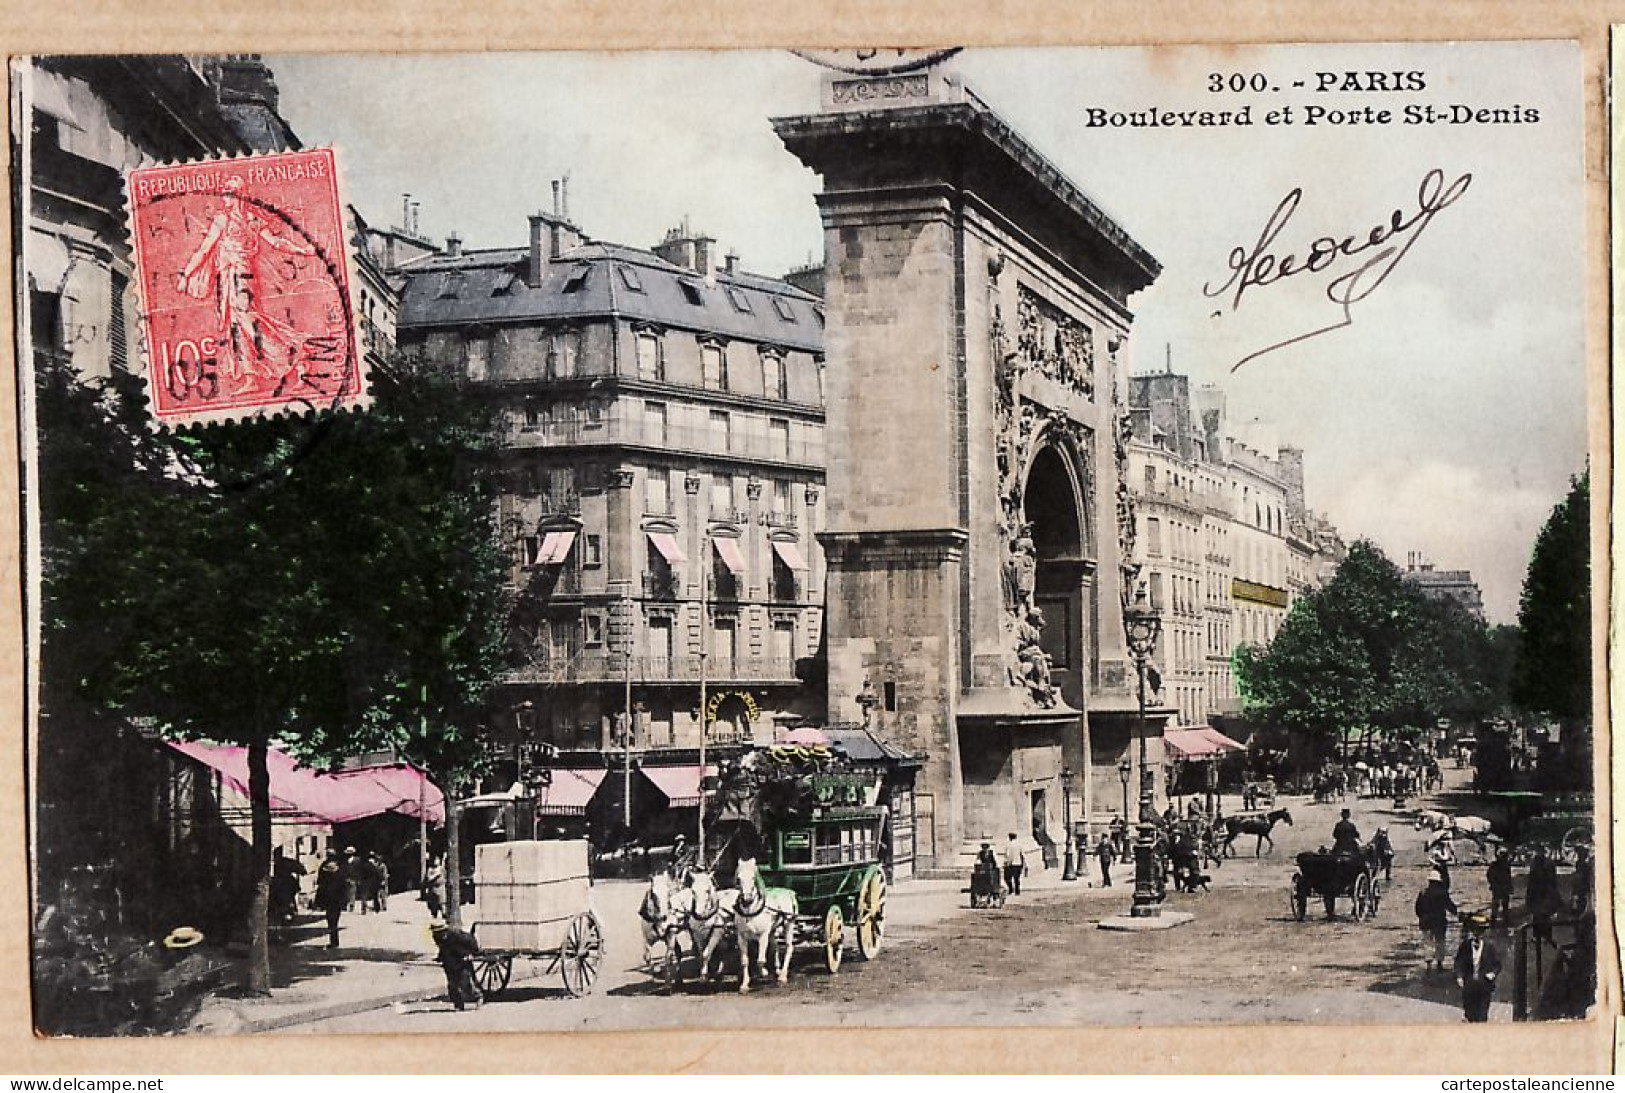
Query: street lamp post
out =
(1070, 870)
(1142, 624)
(1125, 770)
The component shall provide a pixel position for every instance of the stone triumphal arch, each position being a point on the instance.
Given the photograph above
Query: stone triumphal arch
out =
(979, 532)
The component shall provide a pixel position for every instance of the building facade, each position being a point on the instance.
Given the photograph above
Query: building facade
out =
(662, 434)
(1227, 536)
(1454, 585)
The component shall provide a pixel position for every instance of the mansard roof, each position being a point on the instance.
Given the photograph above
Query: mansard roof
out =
(602, 279)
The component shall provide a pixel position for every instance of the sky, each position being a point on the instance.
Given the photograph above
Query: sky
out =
(1446, 418)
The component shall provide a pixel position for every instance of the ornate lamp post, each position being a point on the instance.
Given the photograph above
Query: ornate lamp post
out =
(1125, 769)
(1142, 625)
(1070, 869)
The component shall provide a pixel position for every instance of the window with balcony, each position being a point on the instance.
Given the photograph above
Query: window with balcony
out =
(592, 551)
(784, 588)
(1153, 537)
(773, 379)
(657, 491)
(592, 629)
(651, 356)
(654, 423)
(713, 366)
(476, 357)
(563, 349)
(782, 514)
(784, 641)
(724, 643)
(721, 431)
(722, 496)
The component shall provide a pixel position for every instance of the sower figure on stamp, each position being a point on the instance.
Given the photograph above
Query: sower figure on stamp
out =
(227, 263)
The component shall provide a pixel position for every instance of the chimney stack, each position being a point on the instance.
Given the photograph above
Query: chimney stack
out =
(556, 205)
(540, 251)
(564, 197)
(732, 263)
(454, 245)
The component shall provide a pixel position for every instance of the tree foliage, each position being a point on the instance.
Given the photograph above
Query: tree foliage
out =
(329, 585)
(1367, 652)
(1553, 670)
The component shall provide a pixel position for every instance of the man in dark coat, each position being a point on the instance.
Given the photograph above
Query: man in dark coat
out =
(1478, 962)
(332, 894)
(1103, 851)
(1345, 836)
(1499, 876)
(1542, 896)
(455, 954)
(1433, 910)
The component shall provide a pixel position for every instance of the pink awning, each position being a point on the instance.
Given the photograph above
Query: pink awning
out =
(555, 547)
(1201, 742)
(666, 543)
(570, 792)
(681, 785)
(728, 548)
(326, 798)
(791, 555)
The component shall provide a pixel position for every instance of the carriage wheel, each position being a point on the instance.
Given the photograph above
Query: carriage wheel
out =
(1376, 897)
(491, 973)
(581, 954)
(1568, 852)
(1300, 898)
(834, 938)
(1362, 897)
(871, 915)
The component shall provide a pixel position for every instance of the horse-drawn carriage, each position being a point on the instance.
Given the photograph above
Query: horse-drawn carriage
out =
(986, 887)
(533, 905)
(1334, 876)
(802, 837)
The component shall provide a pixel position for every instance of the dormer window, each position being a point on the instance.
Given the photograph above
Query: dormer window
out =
(782, 306)
(629, 278)
(691, 293)
(577, 279)
(503, 284)
(740, 301)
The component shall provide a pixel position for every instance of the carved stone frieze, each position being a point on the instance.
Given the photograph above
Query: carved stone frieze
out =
(1055, 343)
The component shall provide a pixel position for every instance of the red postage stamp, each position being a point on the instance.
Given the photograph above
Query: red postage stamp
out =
(244, 273)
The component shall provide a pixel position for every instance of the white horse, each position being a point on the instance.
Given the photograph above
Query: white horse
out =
(1431, 819)
(762, 917)
(658, 914)
(1476, 828)
(710, 915)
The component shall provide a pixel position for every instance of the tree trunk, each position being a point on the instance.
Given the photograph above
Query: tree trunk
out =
(259, 908)
(454, 860)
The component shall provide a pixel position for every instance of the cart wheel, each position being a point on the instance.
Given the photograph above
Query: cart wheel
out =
(491, 973)
(1362, 897)
(871, 915)
(581, 954)
(1300, 898)
(834, 938)
(1376, 897)
(1568, 852)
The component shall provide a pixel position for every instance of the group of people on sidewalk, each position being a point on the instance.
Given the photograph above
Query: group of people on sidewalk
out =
(347, 881)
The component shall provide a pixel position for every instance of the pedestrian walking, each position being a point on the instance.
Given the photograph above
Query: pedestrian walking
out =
(1014, 864)
(378, 876)
(1499, 877)
(455, 951)
(352, 876)
(1581, 896)
(1434, 908)
(434, 883)
(1103, 851)
(1478, 962)
(1541, 896)
(332, 894)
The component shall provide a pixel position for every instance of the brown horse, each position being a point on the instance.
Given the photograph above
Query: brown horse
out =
(1236, 826)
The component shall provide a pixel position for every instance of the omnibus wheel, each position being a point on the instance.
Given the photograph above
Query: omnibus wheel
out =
(871, 915)
(834, 938)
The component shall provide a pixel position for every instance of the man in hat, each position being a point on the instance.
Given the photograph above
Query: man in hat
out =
(1433, 910)
(1103, 850)
(1499, 876)
(1345, 836)
(1478, 962)
(682, 859)
(1543, 899)
(332, 894)
(455, 951)
(1014, 863)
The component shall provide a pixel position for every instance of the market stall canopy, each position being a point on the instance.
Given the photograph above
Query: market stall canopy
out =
(1200, 742)
(681, 785)
(326, 798)
(569, 793)
(804, 736)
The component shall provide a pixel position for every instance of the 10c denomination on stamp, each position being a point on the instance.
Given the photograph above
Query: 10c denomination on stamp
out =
(245, 288)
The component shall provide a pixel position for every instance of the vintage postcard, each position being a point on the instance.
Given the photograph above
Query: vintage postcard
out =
(1070, 538)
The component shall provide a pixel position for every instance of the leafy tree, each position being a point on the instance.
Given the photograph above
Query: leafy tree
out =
(1368, 653)
(329, 585)
(1553, 669)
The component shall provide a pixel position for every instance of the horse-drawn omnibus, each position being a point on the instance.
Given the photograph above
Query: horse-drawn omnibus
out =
(818, 833)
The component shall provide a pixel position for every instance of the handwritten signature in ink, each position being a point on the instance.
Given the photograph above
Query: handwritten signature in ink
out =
(1377, 251)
